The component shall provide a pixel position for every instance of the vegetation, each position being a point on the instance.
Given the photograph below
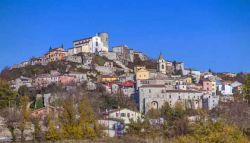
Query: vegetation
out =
(37, 130)
(33, 70)
(177, 129)
(213, 132)
(98, 60)
(7, 96)
(246, 89)
(53, 134)
(25, 115)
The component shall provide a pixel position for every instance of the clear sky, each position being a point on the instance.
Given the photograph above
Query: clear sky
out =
(202, 33)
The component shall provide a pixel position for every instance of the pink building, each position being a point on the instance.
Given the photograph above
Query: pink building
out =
(67, 79)
(209, 85)
(43, 80)
(42, 113)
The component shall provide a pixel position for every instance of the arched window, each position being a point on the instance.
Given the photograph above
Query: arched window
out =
(154, 105)
(162, 67)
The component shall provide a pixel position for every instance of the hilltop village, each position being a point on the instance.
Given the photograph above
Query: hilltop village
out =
(123, 85)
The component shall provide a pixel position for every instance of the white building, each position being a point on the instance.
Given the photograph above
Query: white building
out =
(98, 43)
(227, 90)
(79, 77)
(209, 101)
(236, 84)
(125, 114)
(15, 84)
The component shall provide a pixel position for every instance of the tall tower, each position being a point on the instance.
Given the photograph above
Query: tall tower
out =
(105, 39)
(161, 65)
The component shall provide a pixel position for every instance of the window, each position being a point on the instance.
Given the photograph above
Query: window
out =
(117, 114)
(149, 90)
(162, 67)
(128, 114)
(96, 43)
(123, 115)
(169, 96)
(179, 98)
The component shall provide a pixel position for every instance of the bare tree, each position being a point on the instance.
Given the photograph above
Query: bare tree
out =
(12, 118)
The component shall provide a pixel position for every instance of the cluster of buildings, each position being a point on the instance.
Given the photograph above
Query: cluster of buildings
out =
(98, 44)
(44, 80)
(192, 88)
(169, 82)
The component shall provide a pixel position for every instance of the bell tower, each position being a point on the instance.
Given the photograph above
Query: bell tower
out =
(161, 65)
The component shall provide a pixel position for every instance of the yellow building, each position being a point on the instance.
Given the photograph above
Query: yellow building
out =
(188, 80)
(55, 54)
(107, 78)
(141, 73)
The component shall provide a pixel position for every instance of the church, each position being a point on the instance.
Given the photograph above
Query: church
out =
(163, 66)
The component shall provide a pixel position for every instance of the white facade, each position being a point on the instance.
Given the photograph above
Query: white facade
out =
(128, 91)
(226, 90)
(210, 101)
(125, 115)
(79, 77)
(15, 84)
(89, 45)
(236, 84)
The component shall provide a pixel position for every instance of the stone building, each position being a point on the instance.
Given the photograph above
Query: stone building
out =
(123, 53)
(155, 96)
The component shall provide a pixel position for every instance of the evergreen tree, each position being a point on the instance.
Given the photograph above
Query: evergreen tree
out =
(246, 89)
(7, 96)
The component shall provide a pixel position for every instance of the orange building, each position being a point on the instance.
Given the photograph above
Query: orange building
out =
(55, 54)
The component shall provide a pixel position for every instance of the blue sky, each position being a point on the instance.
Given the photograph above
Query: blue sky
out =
(202, 33)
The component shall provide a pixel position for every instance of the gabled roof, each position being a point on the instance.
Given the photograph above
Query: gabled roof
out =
(83, 39)
(161, 57)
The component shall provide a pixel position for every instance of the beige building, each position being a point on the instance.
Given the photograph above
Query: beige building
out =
(141, 73)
